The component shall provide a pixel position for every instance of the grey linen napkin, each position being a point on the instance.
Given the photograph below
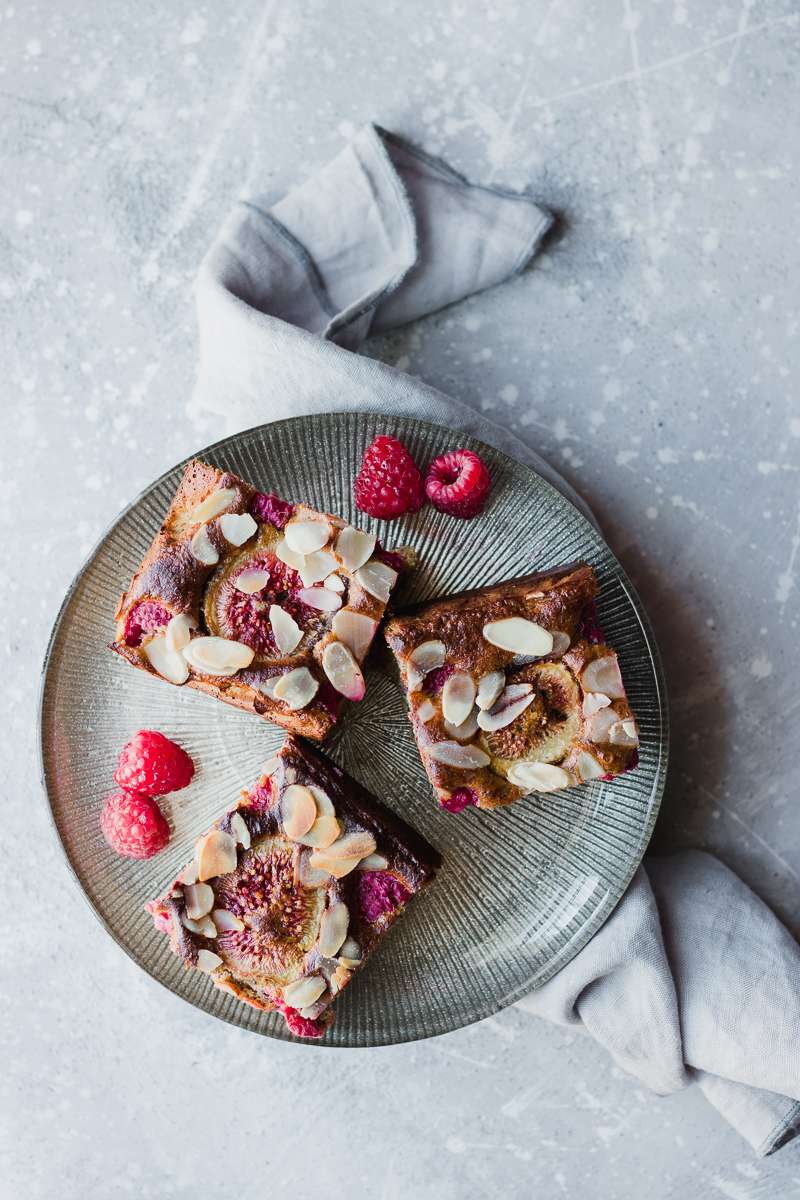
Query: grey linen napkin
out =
(692, 979)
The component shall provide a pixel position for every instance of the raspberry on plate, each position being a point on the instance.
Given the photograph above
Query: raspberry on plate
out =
(289, 893)
(134, 825)
(152, 765)
(458, 483)
(507, 692)
(389, 483)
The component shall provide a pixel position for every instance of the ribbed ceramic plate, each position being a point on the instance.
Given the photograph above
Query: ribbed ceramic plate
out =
(521, 889)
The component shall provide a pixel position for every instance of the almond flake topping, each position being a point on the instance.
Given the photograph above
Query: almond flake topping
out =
(202, 547)
(343, 671)
(538, 777)
(458, 697)
(451, 754)
(285, 630)
(316, 567)
(354, 547)
(207, 960)
(296, 688)
(168, 663)
(212, 506)
(376, 578)
(518, 635)
(513, 700)
(217, 655)
(355, 630)
(251, 580)
(321, 598)
(216, 854)
(333, 929)
(305, 537)
(237, 528)
(304, 992)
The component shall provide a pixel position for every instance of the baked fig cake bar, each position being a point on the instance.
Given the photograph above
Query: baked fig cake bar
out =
(512, 689)
(266, 605)
(289, 893)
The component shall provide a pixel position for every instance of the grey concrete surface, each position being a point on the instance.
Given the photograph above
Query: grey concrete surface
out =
(654, 352)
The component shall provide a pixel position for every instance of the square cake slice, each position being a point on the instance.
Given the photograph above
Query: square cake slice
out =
(289, 893)
(266, 605)
(512, 689)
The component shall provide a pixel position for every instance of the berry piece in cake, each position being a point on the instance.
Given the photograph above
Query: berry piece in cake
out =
(269, 508)
(389, 483)
(133, 825)
(458, 483)
(152, 765)
(289, 893)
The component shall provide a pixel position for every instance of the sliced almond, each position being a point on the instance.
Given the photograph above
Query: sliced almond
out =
(316, 567)
(296, 688)
(338, 867)
(216, 854)
(251, 580)
(321, 598)
(203, 926)
(285, 630)
(353, 845)
(561, 643)
(514, 699)
(458, 697)
(603, 675)
(354, 547)
(466, 730)
(376, 578)
(217, 655)
(599, 725)
(351, 950)
(588, 767)
(334, 583)
(538, 777)
(343, 671)
(227, 922)
(426, 710)
(189, 873)
(355, 630)
(240, 831)
(299, 810)
(340, 978)
(323, 833)
(451, 754)
(489, 688)
(203, 548)
(593, 702)
(518, 635)
(373, 862)
(323, 801)
(179, 632)
(290, 557)
(624, 733)
(305, 537)
(308, 876)
(304, 992)
(199, 900)
(168, 663)
(428, 656)
(215, 503)
(207, 960)
(237, 528)
(333, 929)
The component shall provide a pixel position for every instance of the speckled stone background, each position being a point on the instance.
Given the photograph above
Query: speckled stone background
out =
(653, 356)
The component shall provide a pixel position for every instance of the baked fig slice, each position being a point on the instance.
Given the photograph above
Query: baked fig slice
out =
(544, 731)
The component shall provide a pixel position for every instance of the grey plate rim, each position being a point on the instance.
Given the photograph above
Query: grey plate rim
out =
(591, 926)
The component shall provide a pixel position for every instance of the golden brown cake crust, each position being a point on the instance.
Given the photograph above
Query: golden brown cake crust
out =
(171, 578)
(559, 726)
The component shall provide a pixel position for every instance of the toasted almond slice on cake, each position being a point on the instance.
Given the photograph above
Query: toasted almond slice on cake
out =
(285, 630)
(452, 754)
(354, 547)
(299, 810)
(217, 655)
(343, 671)
(538, 777)
(355, 630)
(458, 697)
(376, 578)
(518, 635)
(296, 688)
(168, 663)
(237, 528)
(203, 548)
(214, 504)
(305, 536)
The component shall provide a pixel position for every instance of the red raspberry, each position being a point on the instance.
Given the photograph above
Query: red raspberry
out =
(458, 483)
(302, 1026)
(134, 825)
(152, 765)
(145, 617)
(389, 483)
(460, 799)
(269, 508)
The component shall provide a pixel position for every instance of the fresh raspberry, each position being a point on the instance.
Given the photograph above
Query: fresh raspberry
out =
(134, 826)
(261, 796)
(145, 617)
(269, 508)
(395, 561)
(458, 483)
(460, 799)
(302, 1026)
(379, 893)
(389, 483)
(152, 765)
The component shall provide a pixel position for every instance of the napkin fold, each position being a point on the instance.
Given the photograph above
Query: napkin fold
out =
(692, 980)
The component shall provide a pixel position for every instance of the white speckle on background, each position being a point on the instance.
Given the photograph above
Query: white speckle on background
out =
(194, 30)
(761, 667)
(509, 393)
